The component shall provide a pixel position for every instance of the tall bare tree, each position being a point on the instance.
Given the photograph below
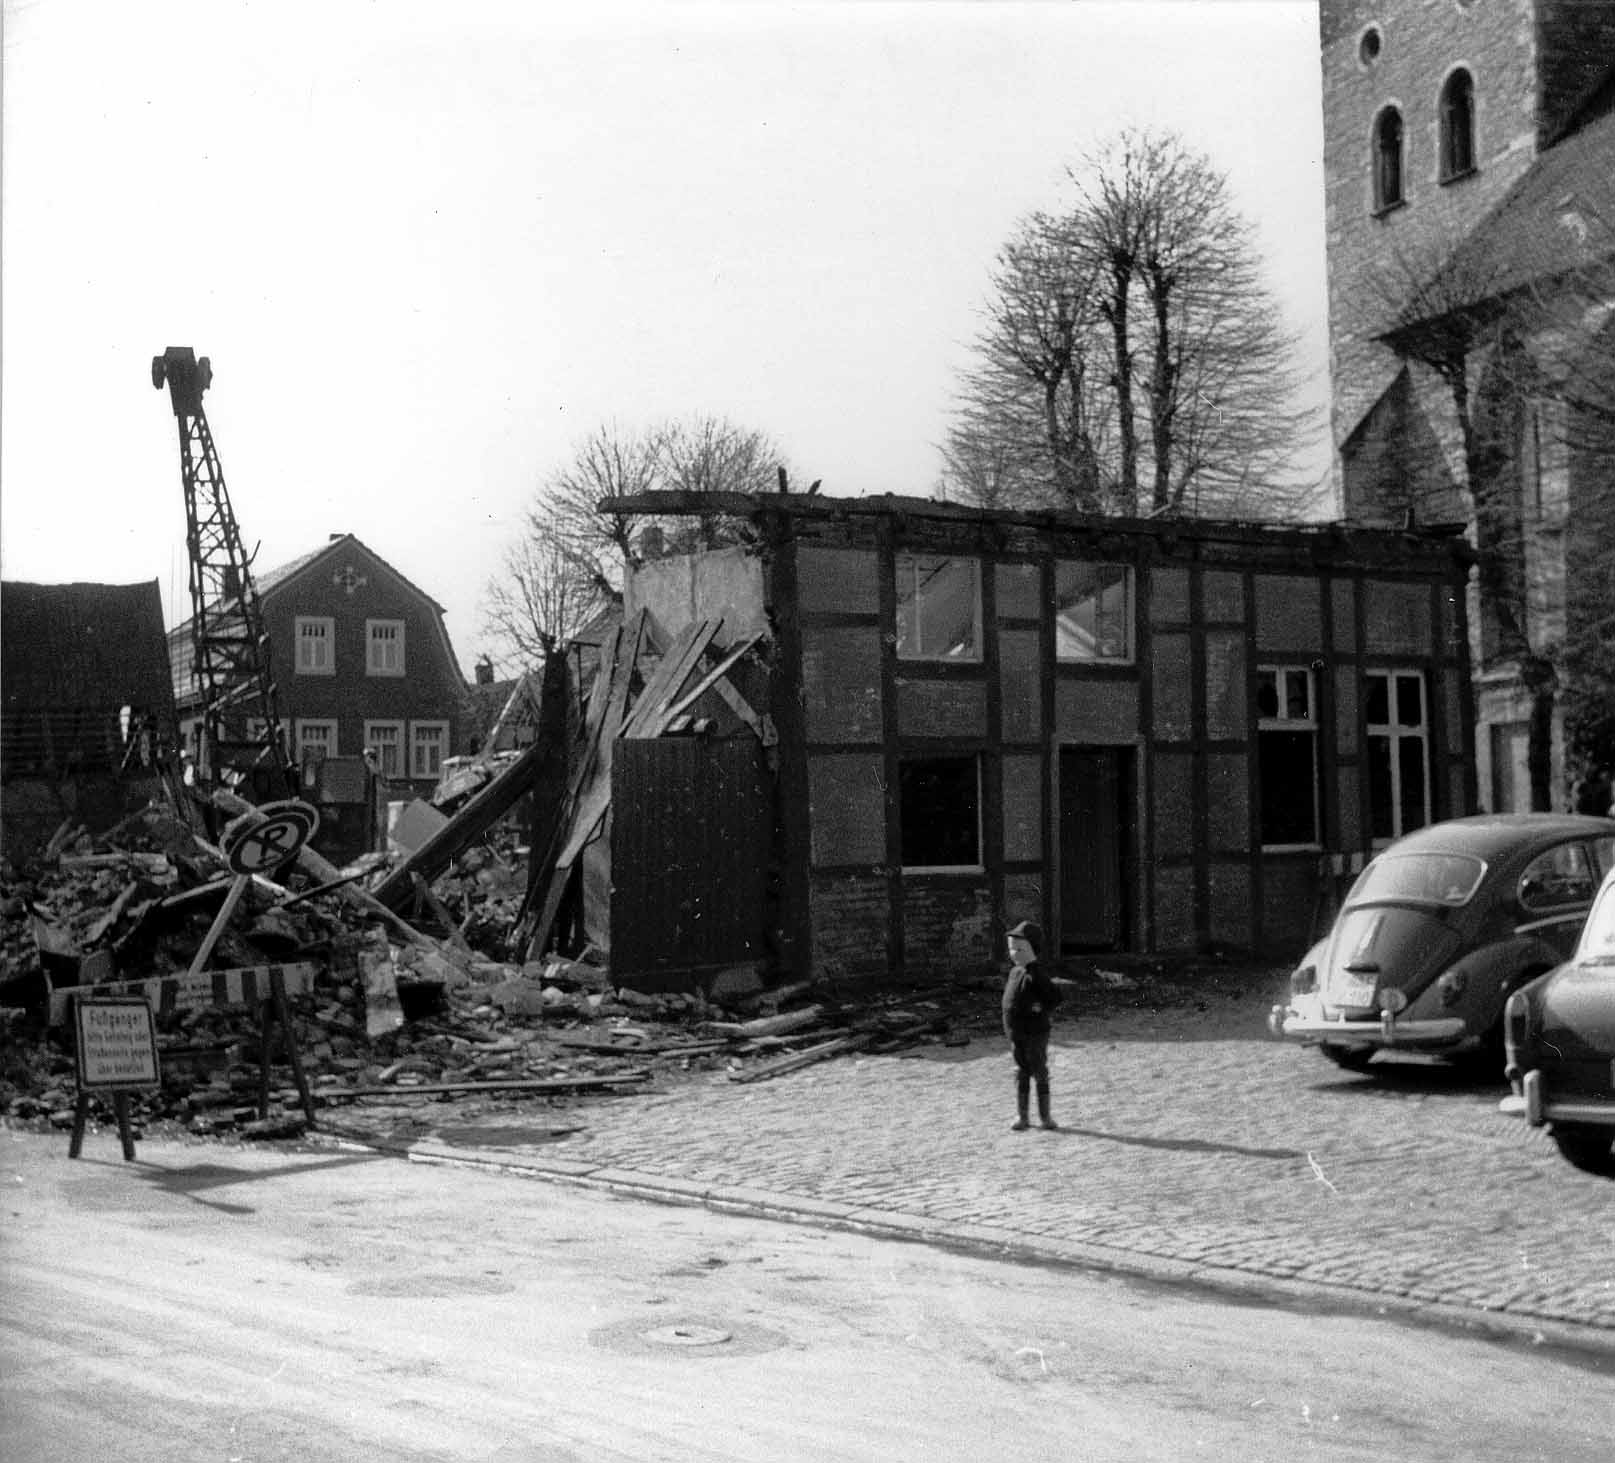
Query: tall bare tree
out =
(1142, 298)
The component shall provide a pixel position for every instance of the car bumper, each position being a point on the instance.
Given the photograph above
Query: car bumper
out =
(1310, 1027)
(1537, 1108)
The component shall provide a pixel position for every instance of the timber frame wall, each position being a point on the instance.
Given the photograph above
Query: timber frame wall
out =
(1212, 601)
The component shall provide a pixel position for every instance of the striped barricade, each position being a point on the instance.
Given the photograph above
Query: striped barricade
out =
(241, 985)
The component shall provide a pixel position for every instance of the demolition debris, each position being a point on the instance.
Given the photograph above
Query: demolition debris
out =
(381, 1007)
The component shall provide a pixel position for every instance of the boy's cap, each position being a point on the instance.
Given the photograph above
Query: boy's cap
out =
(1029, 932)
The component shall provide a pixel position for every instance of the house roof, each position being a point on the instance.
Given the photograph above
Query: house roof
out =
(83, 646)
(1559, 217)
(269, 581)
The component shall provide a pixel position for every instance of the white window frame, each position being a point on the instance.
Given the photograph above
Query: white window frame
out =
(981, 833)
(397, 746)
(311, 632)
(1096, 656)
(417, 746)
(387, 637)
(322, 724)
(1282, 720)
(1394, 734)
(912, 569)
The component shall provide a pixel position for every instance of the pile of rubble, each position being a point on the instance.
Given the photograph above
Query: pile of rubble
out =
(396, 1011)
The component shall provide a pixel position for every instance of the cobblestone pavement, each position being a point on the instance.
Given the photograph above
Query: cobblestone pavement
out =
(1192, 1146)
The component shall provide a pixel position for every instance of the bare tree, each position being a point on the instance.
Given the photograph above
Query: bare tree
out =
(568, 558)
(1142, 298)
(541, 598)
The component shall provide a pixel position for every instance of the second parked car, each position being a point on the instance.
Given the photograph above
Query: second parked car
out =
(1561, 1046)
(1439, 930)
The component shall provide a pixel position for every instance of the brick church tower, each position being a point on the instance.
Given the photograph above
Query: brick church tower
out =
(1433, 111)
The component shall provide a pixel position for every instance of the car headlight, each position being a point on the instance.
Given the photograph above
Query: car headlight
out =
(1304, 982)
(1452, 985)
(1393, 1000)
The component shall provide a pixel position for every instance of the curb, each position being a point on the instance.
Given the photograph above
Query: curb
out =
(1575, 1340)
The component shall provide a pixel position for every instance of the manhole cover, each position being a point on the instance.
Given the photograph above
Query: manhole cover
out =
(692, 1336)
(687, 1335)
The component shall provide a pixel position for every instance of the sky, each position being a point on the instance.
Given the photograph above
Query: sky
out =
(429, 247)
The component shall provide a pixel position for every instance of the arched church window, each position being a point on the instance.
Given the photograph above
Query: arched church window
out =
(1457, 126)
(1387, 159)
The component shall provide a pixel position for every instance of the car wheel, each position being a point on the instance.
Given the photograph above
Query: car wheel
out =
(1352, 1058)
(1586, 1148)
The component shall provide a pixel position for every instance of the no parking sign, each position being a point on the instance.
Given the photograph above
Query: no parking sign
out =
(268, 836)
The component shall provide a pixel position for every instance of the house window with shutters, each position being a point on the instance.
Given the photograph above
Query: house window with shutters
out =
(315, 637)
(384, 655)
(386, 740)
(315, 735)
(428, 742)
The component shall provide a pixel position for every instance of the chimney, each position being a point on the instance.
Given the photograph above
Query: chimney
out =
(484, 671)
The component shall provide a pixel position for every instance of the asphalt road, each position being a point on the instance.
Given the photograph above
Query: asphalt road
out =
(240, 1304)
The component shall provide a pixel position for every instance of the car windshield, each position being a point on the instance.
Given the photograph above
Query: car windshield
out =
(1598, 935)
(1424, 878)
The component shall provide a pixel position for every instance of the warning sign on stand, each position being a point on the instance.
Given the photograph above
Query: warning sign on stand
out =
(115, 1051)
(117, 1044)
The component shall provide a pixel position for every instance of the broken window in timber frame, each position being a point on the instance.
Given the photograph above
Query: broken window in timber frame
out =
(938, 608)
(1093, 612)
(939, 810)
(1287, 755)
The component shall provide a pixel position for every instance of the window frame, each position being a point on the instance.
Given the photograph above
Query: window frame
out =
(905, 559)
(416, 728)
(309, 723)
(372, 643)
(326, 625)
(401, 746)
(1282, 721)
(1129, 613)
(1385, 199)
(913, 759)
(1394, 734)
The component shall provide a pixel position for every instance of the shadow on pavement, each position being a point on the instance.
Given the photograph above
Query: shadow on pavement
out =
(193, 1181)
(1176, 1145)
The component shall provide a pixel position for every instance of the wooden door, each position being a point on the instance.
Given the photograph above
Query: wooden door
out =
(1096, 837)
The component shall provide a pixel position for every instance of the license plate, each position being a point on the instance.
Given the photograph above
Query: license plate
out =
(1351, 991)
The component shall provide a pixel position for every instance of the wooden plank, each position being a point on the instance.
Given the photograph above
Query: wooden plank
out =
(768, 1025)
(595, 772)
(682, 657)
(485, 807)
(803, 1059)
(536, 1084)
(706, 683)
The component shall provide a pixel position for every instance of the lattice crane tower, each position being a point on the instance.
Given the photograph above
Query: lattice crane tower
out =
(241, 729)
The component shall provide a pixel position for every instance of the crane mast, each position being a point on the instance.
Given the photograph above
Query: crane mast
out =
(241, 727)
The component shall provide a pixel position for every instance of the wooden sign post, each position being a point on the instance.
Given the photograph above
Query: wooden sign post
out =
(115, 1050)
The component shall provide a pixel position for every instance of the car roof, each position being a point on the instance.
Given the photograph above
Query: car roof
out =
(1488, 835)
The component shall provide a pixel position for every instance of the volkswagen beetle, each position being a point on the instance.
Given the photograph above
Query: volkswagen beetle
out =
(1438, 931)
(1560, 1040)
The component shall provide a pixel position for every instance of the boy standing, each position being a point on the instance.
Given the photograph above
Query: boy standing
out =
(1029, 1001)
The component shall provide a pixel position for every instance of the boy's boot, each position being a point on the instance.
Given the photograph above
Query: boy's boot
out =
(1043, 1115)
(1023, 1096)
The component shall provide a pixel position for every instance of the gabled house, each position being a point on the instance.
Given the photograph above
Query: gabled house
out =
(361, 661)
(1148, 736)
(88, 707)
(1469, 155)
